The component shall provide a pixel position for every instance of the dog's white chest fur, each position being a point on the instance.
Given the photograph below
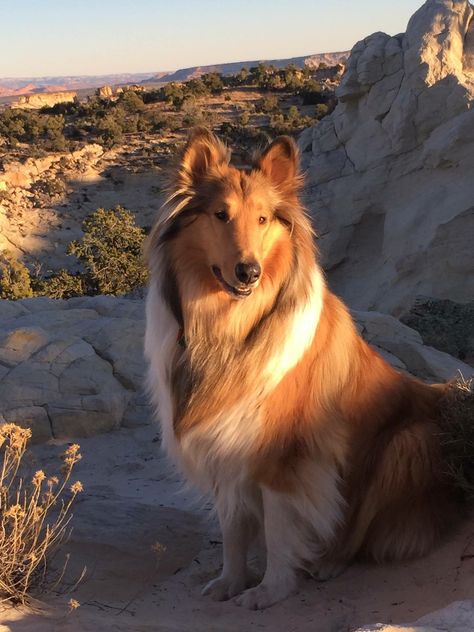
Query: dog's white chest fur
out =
(233, 433)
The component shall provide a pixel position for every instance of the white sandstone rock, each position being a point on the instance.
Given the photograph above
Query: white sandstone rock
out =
(72, 368)
(390, 171)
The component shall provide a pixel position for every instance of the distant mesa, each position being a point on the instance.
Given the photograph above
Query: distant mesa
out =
(44, 99)
(14, 87)
(312, 61)
(22, 86)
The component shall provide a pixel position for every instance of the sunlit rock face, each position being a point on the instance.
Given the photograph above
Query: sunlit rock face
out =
(72, 368)
(44, 99)
(390, 172)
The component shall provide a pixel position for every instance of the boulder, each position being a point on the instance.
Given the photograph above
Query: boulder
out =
(72, 368)
(404, 349)
(104, 92)
(389, 171)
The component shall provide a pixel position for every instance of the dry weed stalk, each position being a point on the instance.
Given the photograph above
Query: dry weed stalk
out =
(457, 435)
(34, 515)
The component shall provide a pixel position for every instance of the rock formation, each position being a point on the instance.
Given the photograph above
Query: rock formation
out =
(390, 171)
(72, 368)
(104, 92)
(28, 223)
(44, 99)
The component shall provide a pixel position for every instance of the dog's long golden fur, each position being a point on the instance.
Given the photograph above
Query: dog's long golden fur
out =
(275, 405)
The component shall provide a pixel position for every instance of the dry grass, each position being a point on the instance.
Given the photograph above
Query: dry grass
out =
(34, 514)
(457, 437)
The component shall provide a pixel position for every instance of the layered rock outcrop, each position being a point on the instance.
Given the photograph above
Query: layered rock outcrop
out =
(44, 99)
(390, 171)
(29, 224)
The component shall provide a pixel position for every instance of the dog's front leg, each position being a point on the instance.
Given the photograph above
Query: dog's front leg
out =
(281, 539)
(237, 531)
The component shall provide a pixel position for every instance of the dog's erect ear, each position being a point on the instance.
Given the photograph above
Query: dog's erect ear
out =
(279, 162)
(203, 151)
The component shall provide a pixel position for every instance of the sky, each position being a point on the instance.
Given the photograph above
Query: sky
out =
(90, 37)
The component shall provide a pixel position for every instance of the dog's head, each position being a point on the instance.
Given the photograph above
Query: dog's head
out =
(234, 222)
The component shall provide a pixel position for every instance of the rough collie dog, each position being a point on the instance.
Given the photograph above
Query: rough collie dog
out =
(269, 399)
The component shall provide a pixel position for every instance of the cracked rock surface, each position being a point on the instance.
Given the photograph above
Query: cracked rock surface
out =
(390, 171)
(72, 368)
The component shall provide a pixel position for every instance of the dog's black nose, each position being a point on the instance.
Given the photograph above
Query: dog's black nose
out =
(248, 272)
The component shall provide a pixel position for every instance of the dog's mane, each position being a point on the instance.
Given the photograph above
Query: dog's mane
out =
(207, 374)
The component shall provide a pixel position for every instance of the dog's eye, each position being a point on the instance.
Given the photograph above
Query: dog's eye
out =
(262, 220)
(223, 216)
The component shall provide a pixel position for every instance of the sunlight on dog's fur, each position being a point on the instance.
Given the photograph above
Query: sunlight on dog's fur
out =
(268, 398)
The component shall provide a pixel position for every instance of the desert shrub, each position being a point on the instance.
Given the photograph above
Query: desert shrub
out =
(34, 515)
(293, 78)
(213, 82)
(109, 131)
(152, 121)
(111, 252)
(172, 93)
(268, 104)
(321, 110)
(33, 127)
(244, 118)
(61, 284)
(445, 325)
(244, 138)
(293, 113)
(311, 93)
(196, 88)
(291, 123)
(15, 279)
(153, 96)
(457, 436)
(193, 115)
(260, 75)
(131, 102)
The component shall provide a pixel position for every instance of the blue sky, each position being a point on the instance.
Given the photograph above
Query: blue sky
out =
(68, 37)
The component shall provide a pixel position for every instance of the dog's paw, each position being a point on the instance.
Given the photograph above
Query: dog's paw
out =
(223, 588)
(262, 596)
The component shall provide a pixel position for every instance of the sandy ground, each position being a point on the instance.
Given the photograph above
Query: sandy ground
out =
(132, 500)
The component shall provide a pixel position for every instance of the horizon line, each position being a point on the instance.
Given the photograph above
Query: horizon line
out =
(154, 72)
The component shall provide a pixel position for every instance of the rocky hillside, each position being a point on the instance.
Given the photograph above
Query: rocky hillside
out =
(390, 171)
